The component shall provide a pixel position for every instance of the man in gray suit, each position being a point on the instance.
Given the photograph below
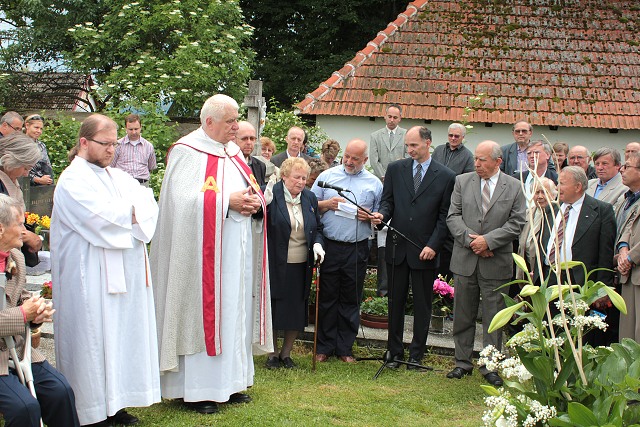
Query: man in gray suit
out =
(608, 186)
(486, 215)
(385, 146)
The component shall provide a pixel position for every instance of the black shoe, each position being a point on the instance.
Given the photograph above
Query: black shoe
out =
(493, 379)
(393, 364)
(273, 362)
(124, 418)
(458, 373)
(287, 363)
(203, 407)
(414, 368)
(239, 398)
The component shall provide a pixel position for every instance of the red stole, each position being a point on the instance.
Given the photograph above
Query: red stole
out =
(212, 226)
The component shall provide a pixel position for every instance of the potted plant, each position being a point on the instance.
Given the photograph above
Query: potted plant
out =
(442, 305)
(374, 312)
(39, 225)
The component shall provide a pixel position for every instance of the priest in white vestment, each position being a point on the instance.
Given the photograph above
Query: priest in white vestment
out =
(105, 328)
(209, 308)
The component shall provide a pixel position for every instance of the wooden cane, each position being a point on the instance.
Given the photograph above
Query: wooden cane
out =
(315, 326)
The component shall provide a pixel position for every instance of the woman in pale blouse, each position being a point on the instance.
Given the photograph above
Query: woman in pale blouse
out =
(294, 243)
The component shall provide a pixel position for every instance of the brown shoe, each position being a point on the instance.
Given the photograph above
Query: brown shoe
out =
(321, 357)
(347, 359)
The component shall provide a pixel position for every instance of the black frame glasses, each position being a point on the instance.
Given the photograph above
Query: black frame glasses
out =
(625, 166)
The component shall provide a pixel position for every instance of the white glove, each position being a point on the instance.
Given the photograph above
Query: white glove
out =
(318, 253)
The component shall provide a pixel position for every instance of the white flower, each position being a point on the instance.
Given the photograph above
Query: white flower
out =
(589, 322)
(184, 90)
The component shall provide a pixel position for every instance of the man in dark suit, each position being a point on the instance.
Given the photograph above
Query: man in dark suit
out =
(514, 155)
(246, 137)
(486, 215)
(295, 143)
(589, 236)
(415, 198)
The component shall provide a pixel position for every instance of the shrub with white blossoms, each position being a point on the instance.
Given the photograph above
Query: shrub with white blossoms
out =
(551, 376)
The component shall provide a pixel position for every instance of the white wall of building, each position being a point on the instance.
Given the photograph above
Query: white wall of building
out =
(344, 128)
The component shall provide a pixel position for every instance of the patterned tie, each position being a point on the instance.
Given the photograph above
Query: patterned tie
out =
(390, 139)
(486, 197)
(561, 228)
(417, 178)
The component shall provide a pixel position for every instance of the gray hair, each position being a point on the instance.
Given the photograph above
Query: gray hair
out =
(522, 121)
(549, 185)
(578, 175)
(634, 156)
(615, 154)
(9, 117)
(7, 205)
(545, 146)
(459, 126)
(214, 107)
(496, 151)
(18, 150)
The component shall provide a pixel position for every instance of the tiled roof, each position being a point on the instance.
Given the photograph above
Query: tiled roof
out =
(574, 63)
(50, 91)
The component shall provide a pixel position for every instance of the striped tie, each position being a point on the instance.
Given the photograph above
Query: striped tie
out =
(486, 197)
(417, 178)
(561, 227)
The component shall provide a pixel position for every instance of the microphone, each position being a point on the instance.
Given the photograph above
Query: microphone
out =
(324, 184)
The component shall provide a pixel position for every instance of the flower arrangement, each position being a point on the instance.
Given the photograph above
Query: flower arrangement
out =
(378, 306)
(37, 222)
(46, 290)
(442, 296)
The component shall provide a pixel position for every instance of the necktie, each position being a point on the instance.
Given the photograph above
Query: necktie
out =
(390, 139)
(561, 228)
(486, 197)
(631, 199)
(417, 178)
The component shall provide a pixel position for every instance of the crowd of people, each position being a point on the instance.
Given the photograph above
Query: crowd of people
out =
(236, 235)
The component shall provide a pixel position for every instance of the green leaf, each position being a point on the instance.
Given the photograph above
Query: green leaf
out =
(521, 263)
(529, 290)
(616, 299)
(581, 415)
(504, 316)
(490, 390)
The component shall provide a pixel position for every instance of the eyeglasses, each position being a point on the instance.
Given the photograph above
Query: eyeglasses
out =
(454, 136)
(623, 167)
(521, 131)
(105, 144)
(13, 127)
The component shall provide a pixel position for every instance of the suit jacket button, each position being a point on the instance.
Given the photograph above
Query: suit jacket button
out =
(410, 219)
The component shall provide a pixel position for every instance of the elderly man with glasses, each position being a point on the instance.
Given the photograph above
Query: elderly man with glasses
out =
(579, 156)
(514, 155)
(453, 154)
(10, 122)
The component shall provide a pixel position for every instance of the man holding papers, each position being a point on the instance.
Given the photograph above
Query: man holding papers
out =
(346, 230)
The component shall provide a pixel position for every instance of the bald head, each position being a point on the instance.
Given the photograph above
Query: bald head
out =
(246, 138)
(578, 156)
(355, 156)
(632, 147)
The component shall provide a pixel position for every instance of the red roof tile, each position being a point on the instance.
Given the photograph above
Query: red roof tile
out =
(575, 65)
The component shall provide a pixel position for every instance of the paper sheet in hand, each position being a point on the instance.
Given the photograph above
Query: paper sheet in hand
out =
(347, 210)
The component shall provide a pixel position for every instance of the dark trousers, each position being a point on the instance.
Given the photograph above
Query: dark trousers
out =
(422, 286)
(341, 279)
(56, 402)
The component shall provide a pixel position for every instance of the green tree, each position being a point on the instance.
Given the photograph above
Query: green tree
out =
(158, 52)
(299, 43)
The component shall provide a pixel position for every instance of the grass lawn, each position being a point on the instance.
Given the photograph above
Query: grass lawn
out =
(340, 394)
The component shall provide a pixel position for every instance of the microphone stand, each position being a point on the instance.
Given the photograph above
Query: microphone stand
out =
(387, 357)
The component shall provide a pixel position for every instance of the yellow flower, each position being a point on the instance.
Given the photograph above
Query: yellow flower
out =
(32, 218)
(45, 221)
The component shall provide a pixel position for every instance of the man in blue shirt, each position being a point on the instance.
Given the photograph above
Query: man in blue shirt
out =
(346, 230)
